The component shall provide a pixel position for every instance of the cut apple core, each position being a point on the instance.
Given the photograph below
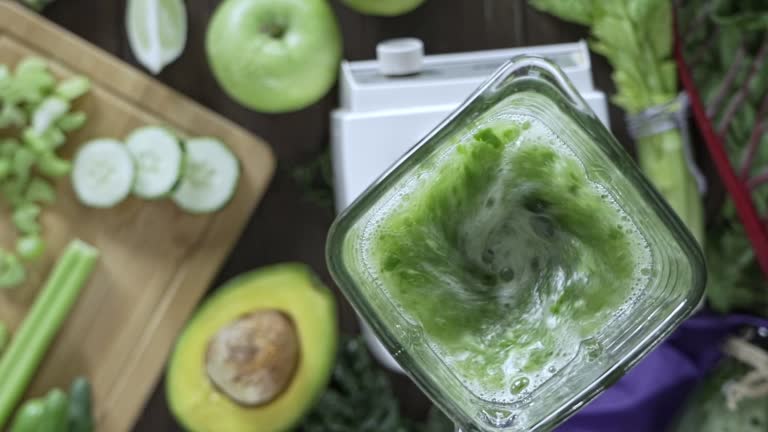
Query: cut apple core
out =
(253, 359)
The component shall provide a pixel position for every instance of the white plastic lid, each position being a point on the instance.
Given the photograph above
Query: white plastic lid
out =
(403, 56)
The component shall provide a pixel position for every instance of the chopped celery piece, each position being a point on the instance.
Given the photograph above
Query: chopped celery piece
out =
(30, 247)
(72, 121)
(54, 137)
(35, 110)
(25, 218)
(35, 141)
(41, 324)
(51, 165)
(23, 160)
(40, 191)
(31, 87)
(11, 115)
(12, 272)
(73, 88)
(5, 336)
(31, 64)
(48, 112)
(44, 142)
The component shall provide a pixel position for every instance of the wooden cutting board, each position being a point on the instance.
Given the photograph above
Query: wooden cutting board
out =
(157, 261)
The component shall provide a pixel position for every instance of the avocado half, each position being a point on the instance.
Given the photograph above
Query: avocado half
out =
(257, 354)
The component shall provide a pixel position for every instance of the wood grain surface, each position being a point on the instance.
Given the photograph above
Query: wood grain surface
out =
(286, 226)
(156, 261)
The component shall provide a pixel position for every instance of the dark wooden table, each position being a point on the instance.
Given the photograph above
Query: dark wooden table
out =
(288, 227)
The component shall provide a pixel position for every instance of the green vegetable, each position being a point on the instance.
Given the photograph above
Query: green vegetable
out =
(30, 417)
(25, 218)
(5, 335)
(636, 38)
(80, 411)
(210, 176)
(19, 362)
(23, 160)
(35, 141)
(40, 191)
(55, 417)
(73, 88)
(30, 247)
(37, 107)
(50, 110)
(51, 165)
(54, 137)
(31, 65)
(47, 414)
(725, 44)
(315, 179)
(12, 272)
(11, 115)
(72, 121)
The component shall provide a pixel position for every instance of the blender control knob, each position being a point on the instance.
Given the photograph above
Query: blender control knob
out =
(403, 56)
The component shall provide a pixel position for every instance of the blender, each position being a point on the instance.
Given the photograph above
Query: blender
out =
(516, 262)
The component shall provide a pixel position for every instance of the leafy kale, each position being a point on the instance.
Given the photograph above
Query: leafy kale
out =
(359, 399)
(315, 179)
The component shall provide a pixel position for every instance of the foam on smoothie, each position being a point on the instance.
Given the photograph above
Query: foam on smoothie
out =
(508, 256)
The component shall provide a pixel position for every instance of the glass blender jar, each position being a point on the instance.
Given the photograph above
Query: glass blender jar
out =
(516, 262)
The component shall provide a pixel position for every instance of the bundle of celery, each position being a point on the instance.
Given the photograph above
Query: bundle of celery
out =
(636, 38)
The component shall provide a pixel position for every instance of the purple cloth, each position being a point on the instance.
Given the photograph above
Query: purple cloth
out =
(649, 396)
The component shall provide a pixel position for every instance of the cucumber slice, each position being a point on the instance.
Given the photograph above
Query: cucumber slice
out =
(158, 157)
(103, 173)
(210, 176)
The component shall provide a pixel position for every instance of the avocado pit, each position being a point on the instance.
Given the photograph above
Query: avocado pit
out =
(253, 359)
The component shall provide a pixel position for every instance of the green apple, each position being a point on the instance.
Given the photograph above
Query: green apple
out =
(383, 7)
(274, 55)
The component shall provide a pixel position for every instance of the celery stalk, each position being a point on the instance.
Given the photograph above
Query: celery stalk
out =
(31, 341)
(662, 158)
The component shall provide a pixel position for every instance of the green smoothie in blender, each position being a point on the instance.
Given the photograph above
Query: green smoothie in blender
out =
(508, 256)
(516, 262)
